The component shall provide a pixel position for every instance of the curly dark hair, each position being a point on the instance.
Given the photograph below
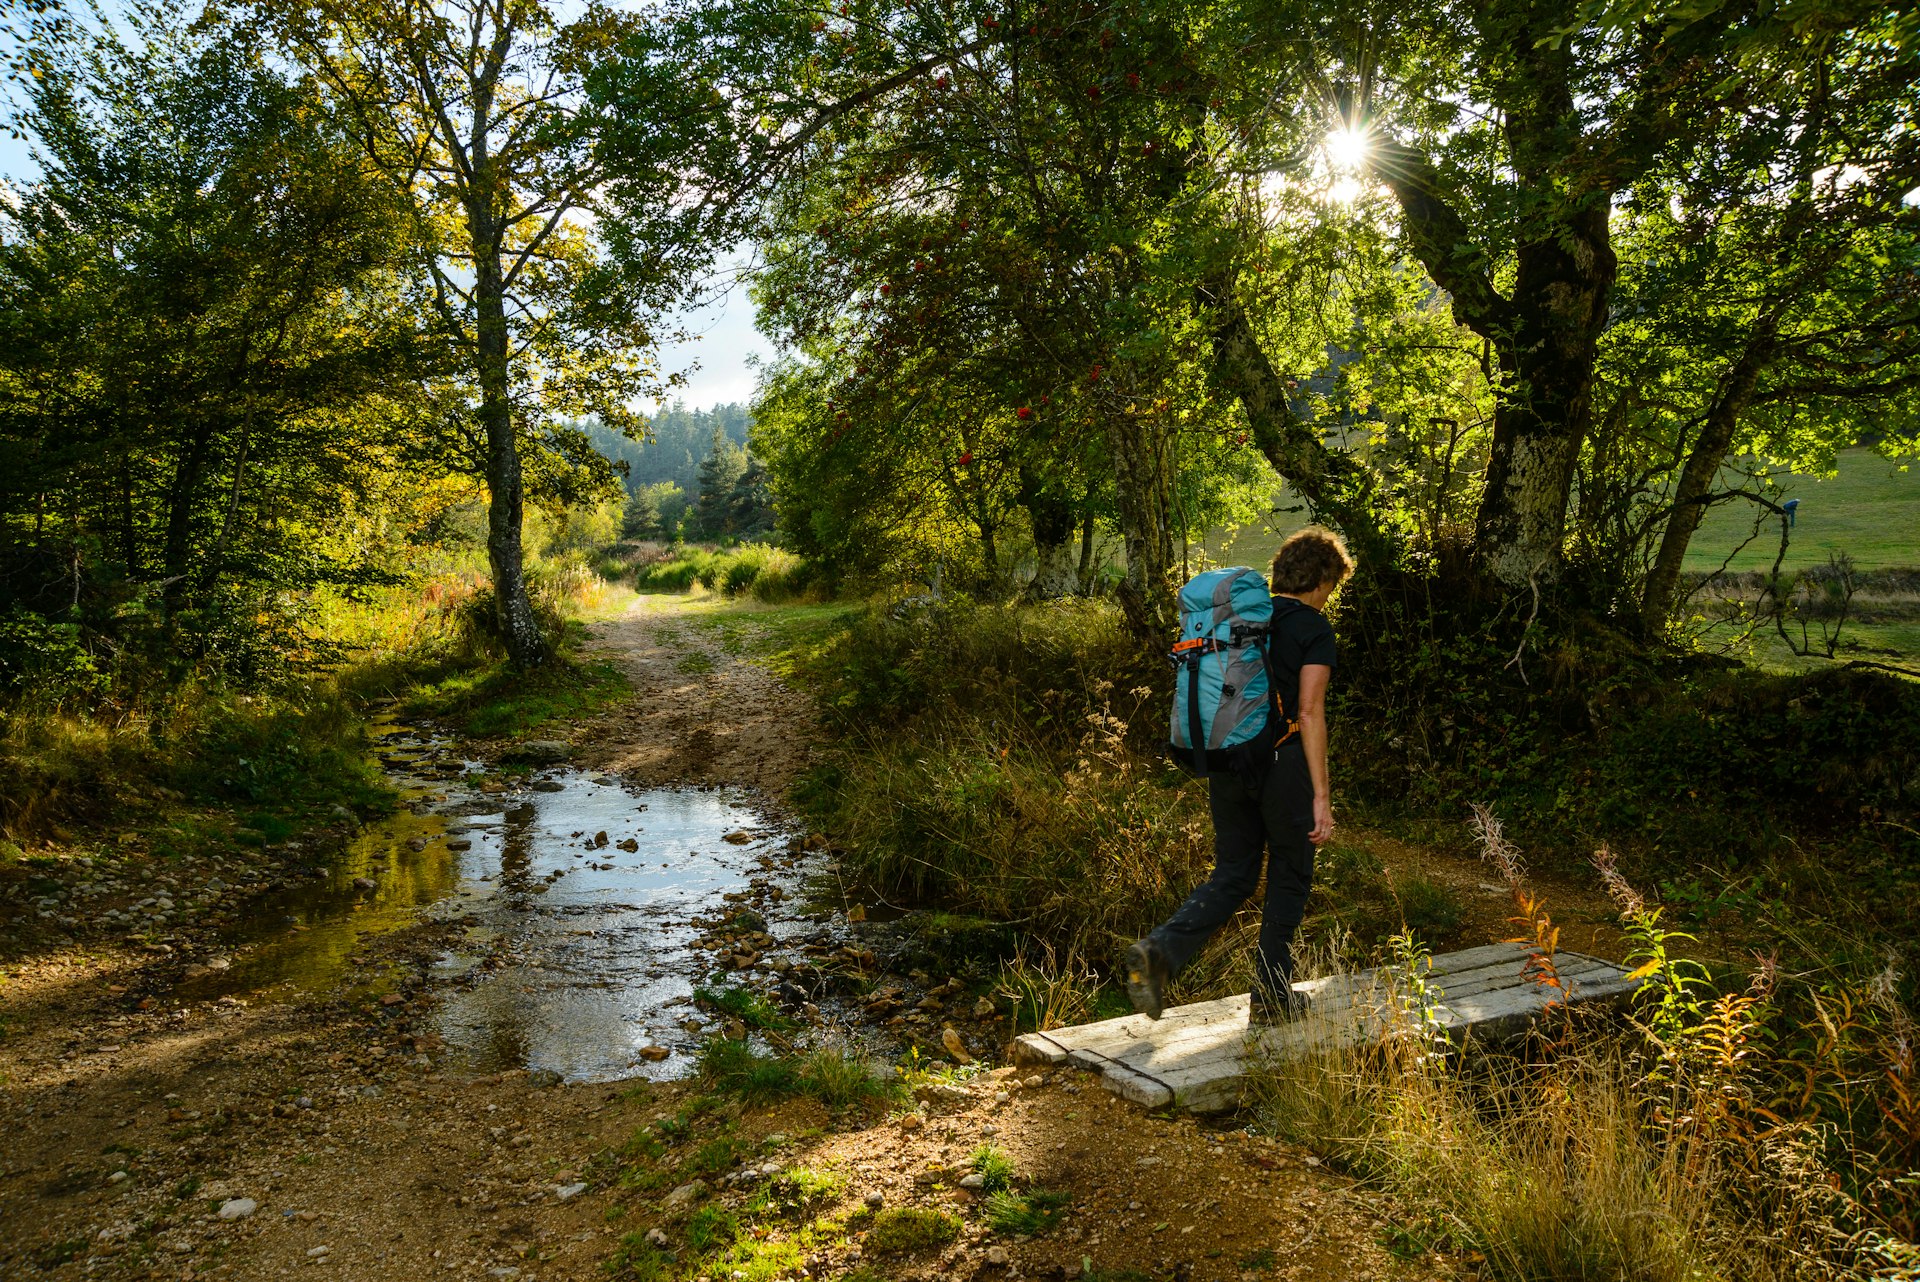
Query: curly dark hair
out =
(1309, 558)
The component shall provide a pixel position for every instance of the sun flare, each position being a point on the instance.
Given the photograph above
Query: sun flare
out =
(1347, 149)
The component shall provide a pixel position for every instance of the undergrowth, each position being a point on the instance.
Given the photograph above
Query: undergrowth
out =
(759, 570)
(1710, 1137)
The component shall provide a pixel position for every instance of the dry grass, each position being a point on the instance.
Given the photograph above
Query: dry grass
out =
(1598, 1151)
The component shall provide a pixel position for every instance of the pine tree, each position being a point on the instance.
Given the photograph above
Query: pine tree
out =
(719, 472)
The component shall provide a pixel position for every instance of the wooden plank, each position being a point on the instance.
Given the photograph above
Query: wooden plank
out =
(1197, 1055)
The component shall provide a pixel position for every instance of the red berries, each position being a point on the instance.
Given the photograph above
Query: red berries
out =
(1024, 412)
(966, 458)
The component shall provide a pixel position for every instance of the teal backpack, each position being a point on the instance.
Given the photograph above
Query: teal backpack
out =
(1225, 713)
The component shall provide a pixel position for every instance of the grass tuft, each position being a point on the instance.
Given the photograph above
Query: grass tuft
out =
(906, 1230)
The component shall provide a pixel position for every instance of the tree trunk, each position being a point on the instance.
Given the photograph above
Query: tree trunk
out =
(1338, 489)
(513, 611)
(1052, 520)
(1086, 546)
(1545, 409)
(1140, 489)
(1695, 487)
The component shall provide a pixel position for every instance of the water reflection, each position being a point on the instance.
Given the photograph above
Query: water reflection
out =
(576, 898)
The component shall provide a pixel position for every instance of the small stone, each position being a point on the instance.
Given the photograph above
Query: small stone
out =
(656, 1238)
(238, 1208)
(365, 883)
(911, 1121)
(118, 1177)
(983, 1008)
(685, 1195)
(973, 1181)
(997, 1255)
(319, 1252)
(739, 838)
(654, 1054)
(567, 1192)
(1034, 1082)
(546, 785)
(391, 999)
(876, 1200)
(954, 1046)
(627, 844)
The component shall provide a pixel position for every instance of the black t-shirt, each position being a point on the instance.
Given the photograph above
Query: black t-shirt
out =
(1301, 636)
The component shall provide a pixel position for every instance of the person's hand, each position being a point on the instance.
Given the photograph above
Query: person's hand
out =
(1322, 820)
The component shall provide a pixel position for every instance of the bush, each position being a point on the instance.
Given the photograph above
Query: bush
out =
(999, 761)
(760, 570)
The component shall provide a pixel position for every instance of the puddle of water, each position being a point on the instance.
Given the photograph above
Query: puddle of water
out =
(588, 947)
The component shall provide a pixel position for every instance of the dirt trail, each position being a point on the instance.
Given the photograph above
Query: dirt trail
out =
(700, 714)
(338, 1147)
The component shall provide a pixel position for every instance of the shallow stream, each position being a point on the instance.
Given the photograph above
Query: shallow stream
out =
(576, 900)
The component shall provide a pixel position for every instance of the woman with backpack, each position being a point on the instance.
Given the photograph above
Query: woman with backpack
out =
(1250, 715)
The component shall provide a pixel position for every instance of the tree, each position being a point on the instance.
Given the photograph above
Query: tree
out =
(720, 471)
(475, 110)
(1510, 132)
(206, 345)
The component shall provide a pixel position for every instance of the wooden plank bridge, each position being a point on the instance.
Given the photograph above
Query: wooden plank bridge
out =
(1196, 1057)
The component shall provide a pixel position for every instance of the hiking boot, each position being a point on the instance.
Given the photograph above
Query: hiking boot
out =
(1146, 967)
(1266, 1008)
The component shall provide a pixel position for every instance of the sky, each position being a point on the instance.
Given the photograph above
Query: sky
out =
(722, 345)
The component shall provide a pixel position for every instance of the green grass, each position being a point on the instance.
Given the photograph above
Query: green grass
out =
(1026, 1214)
(907, 1229)
(744, 1004)
(1867, 510)
(992, 1164)
(832, 1076)
(497, 702)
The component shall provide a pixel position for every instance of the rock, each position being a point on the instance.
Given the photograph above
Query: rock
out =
(606, 781)
(319, 1252)
(911, 1121)
(459, 843)
(627, 844)
(983, 1009)
(391, 999)
(876, 1200)
(654, 1054)
(540, 752)
(503, 1271)
(686, 1195)
(416, 844)
(547, 785)
(739, 838)
(238, 1208)
(118, 1177)
(955, 1047)
(1034, 1082)
(997, 1255)
(365, 883)
(973, 1181)
(543, 1077)
(567, 1192)
(656, 1238)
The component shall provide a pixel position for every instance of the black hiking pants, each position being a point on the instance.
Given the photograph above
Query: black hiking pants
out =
(1252, 825)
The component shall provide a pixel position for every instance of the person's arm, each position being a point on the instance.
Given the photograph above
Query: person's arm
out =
(1313, 737)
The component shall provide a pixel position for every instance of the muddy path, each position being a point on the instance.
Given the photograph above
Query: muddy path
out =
(440, 1045)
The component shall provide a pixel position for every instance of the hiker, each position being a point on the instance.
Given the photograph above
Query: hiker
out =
(1276, 804)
